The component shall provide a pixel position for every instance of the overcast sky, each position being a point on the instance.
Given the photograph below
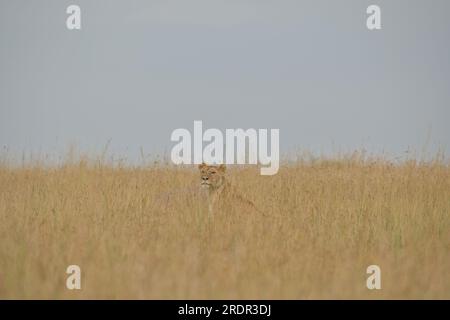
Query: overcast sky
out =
(137, 70)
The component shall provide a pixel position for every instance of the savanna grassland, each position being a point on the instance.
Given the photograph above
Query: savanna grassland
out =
(325, 222)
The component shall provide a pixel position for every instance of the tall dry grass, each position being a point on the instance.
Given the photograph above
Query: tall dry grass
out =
(327, 221)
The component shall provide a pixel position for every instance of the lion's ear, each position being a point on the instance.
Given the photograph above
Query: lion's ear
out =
(222, 168)
(201, 166)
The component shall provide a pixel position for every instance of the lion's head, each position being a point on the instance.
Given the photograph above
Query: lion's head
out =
(212, 176)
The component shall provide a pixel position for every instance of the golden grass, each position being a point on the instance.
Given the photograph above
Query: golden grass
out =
(328, 221)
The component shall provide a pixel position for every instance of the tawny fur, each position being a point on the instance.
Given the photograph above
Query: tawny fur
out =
(219, 193)
(214, 194)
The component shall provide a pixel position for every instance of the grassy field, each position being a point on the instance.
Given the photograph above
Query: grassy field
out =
(327, 221)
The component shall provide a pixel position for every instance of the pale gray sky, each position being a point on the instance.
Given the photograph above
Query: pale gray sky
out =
(140, 69)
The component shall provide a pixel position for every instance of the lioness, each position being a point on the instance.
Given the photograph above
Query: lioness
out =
(219, 192)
